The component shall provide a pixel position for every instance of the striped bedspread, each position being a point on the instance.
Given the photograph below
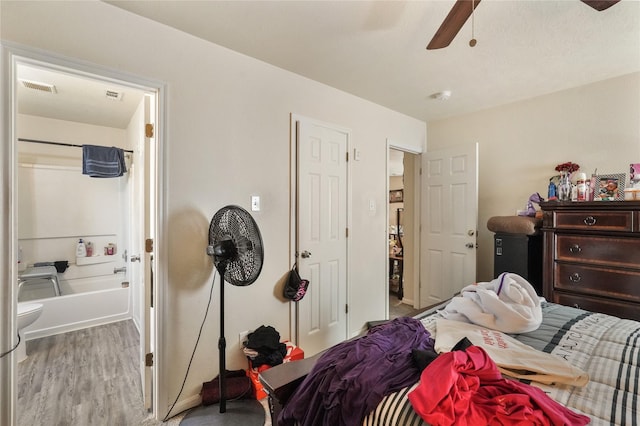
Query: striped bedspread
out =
(606, 347)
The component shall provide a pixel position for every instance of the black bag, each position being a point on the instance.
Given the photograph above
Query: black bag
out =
(296, 287)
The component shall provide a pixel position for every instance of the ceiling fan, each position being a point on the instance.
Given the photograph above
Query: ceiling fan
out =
(462, 9)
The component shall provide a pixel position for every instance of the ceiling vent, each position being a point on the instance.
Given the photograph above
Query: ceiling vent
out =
(113, 95)
(43, 87)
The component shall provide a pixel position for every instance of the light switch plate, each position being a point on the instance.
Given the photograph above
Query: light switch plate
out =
(255, 203)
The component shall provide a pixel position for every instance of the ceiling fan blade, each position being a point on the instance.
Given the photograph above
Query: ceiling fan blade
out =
(452, 24)
(600, 5)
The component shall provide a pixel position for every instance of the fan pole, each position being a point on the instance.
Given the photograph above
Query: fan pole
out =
(222, 343)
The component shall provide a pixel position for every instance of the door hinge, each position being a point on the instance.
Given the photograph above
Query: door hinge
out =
(346, 232)
(347, 156)
(148, 245)
(148, 359)
(148, 130)
(346, 309)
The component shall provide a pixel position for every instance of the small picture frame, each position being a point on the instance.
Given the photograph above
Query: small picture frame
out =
(634, 175)
(396, 196)
(609, 187)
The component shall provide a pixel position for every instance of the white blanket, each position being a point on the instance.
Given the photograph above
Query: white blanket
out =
(513, 358)
(508, 304)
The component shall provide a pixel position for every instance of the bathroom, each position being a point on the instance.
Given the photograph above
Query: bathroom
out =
(58, 205)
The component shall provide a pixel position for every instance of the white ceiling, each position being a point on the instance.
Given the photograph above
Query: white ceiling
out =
(376, 50)
(75, 98)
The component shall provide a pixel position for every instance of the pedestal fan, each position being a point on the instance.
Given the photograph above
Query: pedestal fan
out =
(235, 244)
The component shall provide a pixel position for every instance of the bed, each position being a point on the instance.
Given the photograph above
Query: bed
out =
(607, 348)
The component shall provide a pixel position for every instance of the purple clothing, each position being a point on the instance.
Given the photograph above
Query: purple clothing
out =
(351, 378)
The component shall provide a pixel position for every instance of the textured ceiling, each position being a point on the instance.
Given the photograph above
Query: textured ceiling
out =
(377, 49)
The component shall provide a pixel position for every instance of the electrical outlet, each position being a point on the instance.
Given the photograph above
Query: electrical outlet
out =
(242, 337)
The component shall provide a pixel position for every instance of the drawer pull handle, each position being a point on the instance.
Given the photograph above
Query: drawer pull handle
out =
(589, 220)
(575, 277)
(575, 248)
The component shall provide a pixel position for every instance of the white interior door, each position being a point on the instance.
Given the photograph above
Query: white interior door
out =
(139, 266)
(321, 234)
(450, 200)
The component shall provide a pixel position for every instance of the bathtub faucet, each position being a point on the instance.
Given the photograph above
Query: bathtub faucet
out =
(118, 270)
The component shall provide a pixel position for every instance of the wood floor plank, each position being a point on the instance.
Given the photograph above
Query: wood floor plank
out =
(88, 377)
(82, 378)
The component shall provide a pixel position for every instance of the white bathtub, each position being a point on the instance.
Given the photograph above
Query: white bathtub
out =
(84, 303)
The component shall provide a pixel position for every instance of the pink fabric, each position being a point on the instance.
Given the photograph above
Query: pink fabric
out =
(466, 388)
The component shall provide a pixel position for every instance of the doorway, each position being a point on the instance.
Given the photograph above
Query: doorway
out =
(57, 109)
(402, 221)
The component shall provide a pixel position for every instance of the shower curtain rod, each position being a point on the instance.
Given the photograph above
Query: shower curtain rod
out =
(58, 143)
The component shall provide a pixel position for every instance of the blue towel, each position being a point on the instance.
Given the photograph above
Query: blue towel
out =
(103, 161)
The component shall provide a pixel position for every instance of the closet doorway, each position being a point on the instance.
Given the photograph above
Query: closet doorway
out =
(403, 230)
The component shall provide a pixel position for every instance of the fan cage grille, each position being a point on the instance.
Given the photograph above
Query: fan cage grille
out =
(236, 224)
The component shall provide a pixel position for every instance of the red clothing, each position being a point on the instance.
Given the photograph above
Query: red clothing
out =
(466, 388)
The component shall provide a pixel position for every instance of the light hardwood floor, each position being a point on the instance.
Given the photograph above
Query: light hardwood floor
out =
(398, 309)
(91, 377)
(88, 377)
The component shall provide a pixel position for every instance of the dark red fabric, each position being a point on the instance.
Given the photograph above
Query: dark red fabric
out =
(466, 388)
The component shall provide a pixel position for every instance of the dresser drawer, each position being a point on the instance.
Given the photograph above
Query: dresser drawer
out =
(611, 307)
(599, 250)
(621, 221)
(590, 280)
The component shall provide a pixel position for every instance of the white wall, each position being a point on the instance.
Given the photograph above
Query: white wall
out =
(227, 137)
(520, 144)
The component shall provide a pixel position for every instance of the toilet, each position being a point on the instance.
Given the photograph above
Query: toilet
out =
(27, 314)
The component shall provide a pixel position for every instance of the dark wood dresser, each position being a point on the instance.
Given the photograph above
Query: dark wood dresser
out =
(591, 255)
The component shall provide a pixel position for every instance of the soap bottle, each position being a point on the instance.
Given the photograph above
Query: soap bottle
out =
(81, 250)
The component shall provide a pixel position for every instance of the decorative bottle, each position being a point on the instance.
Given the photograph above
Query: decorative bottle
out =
(564, 187)
(581, 187)
(551, 194)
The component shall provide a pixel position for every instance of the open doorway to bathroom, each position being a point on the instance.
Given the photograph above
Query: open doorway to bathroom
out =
(403, 230)
(58, 112)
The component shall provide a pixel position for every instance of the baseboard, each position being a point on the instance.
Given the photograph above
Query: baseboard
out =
(183, 405)
(74, 326)
(407, 302)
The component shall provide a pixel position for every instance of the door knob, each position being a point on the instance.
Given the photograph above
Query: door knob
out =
(305, 254)
(471, 232)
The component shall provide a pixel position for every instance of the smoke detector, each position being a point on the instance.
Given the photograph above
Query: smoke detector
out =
(114, 95)
(442, 96)
(35, 85)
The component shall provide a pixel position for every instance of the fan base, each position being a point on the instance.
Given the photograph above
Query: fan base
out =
(244, 412)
